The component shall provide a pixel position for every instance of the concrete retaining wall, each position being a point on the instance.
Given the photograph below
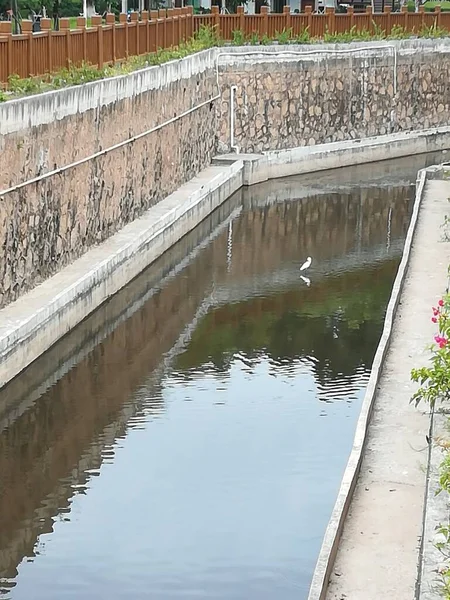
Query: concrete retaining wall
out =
(306, 95)
(88, 160)
(78, 164)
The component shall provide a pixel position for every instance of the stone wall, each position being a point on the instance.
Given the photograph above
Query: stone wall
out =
(332, 93)
(314, 95)
(47, 224)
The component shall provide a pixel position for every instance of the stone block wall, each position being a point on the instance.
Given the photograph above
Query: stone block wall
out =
(285, 97)
(46, 225)
(332, 93)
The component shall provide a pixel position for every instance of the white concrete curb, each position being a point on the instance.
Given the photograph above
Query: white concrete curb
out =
(327, 555)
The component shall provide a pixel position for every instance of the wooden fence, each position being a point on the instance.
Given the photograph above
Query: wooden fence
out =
(106, 43)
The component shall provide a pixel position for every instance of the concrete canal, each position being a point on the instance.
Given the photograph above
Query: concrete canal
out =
(189, 438)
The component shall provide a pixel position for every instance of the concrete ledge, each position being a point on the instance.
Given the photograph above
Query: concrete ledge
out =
(327, 555)
(32, 111)
(32, 324)
(337, 154)
(37, 320)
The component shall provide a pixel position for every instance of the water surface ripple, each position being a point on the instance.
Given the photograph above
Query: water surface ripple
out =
(189, 438)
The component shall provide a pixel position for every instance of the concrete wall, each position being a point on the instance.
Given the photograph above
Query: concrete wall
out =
(305, 95)
(78, 164)
(47, 224)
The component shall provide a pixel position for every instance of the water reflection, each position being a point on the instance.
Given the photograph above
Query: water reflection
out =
(189, 438)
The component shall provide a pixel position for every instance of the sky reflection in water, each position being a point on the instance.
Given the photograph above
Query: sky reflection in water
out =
(188, 440)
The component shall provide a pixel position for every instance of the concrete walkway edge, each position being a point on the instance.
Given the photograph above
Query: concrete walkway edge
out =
(327, 555)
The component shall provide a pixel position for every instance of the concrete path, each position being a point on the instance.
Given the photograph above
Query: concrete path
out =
(379, 549)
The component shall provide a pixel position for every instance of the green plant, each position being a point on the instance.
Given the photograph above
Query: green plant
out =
(304, 37)
(238, 37)
(18, 86)
(351, 35)
(446, 226)
(284, 36)
(208, 36)
(378, 32)
(434, 379)
(444, 571)
(254, 38)
(432, 31)
(398, 33)
(431, 5)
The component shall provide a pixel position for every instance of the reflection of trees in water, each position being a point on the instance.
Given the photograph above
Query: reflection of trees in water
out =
(65, 432)
(53, 443)
(337, 323)
(323, 226)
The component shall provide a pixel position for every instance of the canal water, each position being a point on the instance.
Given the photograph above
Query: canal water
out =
(189, 438)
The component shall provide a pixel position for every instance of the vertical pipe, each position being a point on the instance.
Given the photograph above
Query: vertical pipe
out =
(234, 148)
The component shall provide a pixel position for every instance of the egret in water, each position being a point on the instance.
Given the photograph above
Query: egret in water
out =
(306, 280)
(306, 264)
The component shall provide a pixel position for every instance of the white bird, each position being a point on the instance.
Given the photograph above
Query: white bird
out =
(306, 280)
(306, 264)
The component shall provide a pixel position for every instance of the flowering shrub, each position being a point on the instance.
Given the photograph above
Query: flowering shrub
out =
(434, 380)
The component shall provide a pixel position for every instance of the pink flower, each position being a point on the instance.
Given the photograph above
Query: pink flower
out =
(434, 319)
(441, 341)
(441, 303)
(435, 311)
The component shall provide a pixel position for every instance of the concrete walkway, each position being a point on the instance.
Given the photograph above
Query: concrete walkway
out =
(379, 549)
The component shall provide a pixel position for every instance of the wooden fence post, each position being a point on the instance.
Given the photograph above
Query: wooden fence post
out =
(404, 12)
(81, 24)
(240, 12)
(154, 17)
(387, 11)
(351, 13)
(169, 19)
(438, 11)
(190, 20)
(124, 21)
(6, 31)
(287, 16)
(96, 21)
(27, 29)
(46, 25)
(370, 17)
(265, 20)
(134, 16)
(111, 22)
(309, 13)
(186, 23)
(64, 25)
(144, 17)
(422, 13)
(331, 19)
(216, 14)
(177, 25)
(162, 16)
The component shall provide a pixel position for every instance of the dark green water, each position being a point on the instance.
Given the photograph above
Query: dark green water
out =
(188, 440)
